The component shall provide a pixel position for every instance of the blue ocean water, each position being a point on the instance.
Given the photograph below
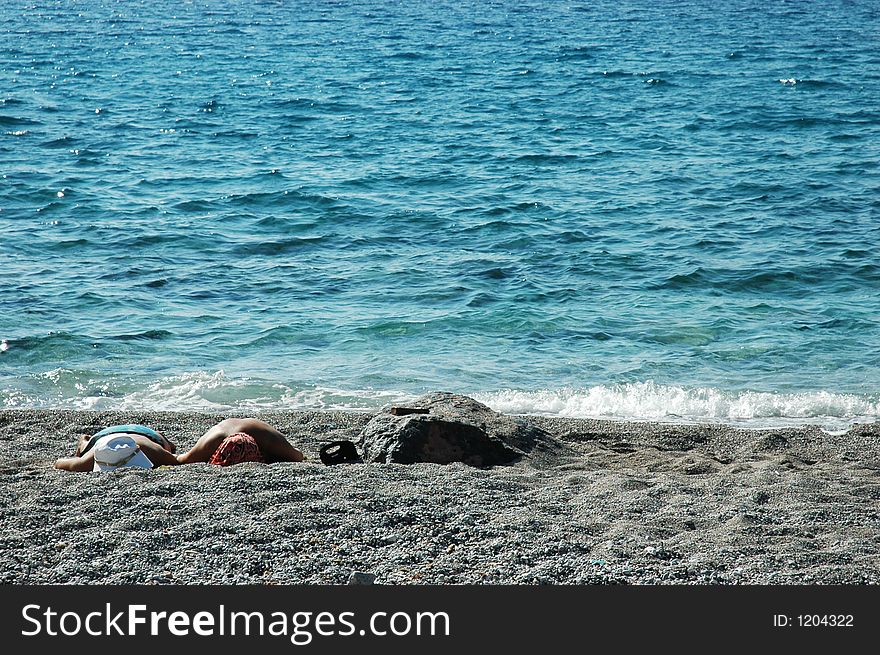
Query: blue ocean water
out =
(651, 210)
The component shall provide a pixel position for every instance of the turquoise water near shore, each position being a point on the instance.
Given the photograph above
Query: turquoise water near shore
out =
(622, 209)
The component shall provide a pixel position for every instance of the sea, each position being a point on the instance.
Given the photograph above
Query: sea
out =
(633, 210)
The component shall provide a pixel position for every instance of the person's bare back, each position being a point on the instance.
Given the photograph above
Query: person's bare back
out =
(272, 445)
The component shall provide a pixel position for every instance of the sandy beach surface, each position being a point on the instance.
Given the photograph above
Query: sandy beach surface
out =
(620, 503)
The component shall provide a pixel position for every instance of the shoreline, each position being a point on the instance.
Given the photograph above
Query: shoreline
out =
(620, 502)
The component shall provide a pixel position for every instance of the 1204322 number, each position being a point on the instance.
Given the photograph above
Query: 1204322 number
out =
(825, 620)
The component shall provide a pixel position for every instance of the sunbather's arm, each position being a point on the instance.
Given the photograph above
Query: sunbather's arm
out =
(155, 453)
(76, 464)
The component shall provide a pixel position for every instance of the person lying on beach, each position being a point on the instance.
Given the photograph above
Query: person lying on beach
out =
(120, 446)
(238, 440)
(233, 441)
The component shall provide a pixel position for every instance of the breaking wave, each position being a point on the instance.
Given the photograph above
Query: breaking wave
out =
(647, 401)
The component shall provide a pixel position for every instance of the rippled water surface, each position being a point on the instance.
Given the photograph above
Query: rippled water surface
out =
(628, 209)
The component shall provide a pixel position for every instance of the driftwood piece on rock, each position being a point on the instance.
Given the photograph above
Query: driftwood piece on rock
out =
(442, 428)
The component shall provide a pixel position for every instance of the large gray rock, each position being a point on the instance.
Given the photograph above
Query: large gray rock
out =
(442, 428)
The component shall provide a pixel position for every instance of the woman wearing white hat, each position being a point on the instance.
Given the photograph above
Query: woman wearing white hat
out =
(120, 446)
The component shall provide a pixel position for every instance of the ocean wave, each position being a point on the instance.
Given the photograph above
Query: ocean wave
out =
(215, 391)
(408, 56)
(275, 248)
(149, 335)
(314, 108)
(284, 198)
(46, 348)
(578, 53)
(289, 334)
(200, 391)
(819, 84)
(547, 158)
(61, 142)
(647, 401)
(17, 120)
(800, 280)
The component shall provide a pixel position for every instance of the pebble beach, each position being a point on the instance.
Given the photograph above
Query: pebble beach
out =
(617, 503)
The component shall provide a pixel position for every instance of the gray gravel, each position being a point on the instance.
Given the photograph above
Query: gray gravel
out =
(622, 503)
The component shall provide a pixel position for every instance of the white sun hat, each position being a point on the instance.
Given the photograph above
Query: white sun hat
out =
(119, 451)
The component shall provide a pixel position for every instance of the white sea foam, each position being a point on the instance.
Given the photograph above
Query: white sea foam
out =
(215, 391)
(647, 401)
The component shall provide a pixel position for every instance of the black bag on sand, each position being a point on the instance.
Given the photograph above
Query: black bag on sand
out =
(340, 452)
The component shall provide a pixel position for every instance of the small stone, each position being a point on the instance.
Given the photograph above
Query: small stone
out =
(359, 577)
